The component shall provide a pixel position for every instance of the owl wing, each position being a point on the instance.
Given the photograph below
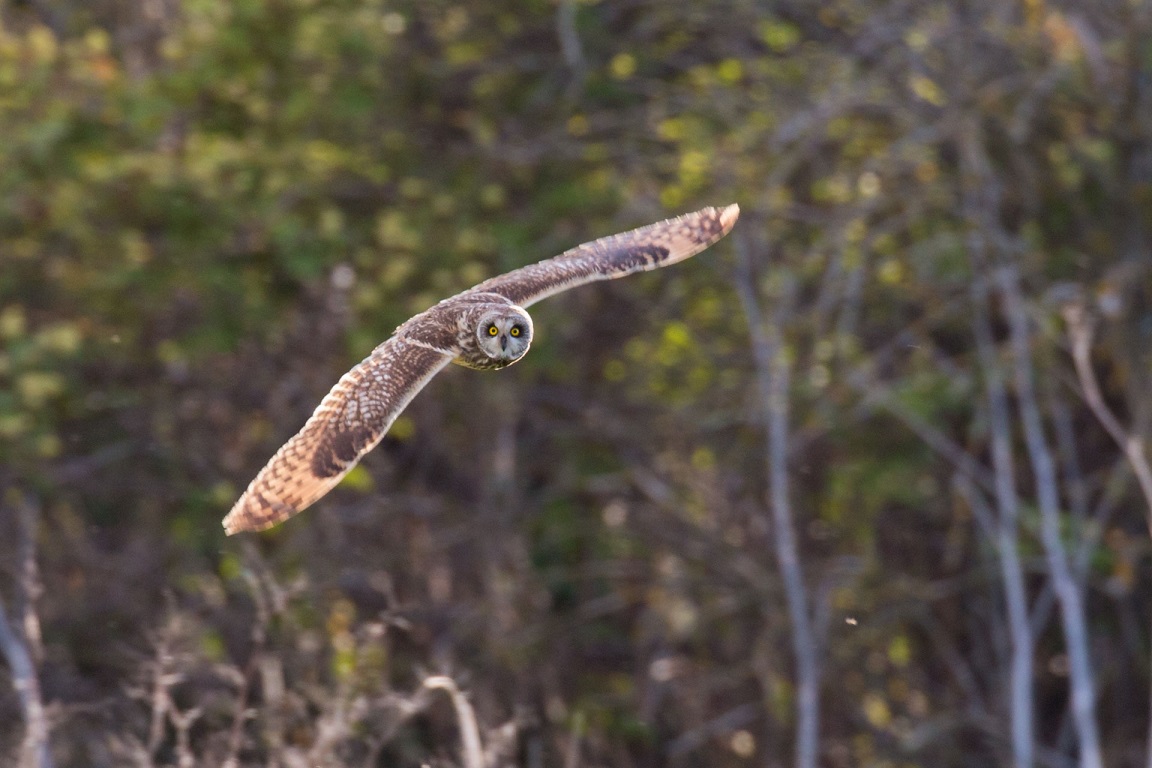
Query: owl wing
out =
(356, 414)
(348, 423)
(651, 247)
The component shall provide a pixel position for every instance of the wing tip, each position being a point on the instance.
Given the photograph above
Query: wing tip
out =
(232, 521)
(234, 524)
(728, 216)
(244, 518)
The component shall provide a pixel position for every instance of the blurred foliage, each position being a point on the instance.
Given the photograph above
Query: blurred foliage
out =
(209, 209)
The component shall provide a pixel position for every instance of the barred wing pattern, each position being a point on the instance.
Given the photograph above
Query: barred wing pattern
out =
(640, 250)
(349, 422)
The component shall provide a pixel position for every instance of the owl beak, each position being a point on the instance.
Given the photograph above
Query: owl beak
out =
(503, 343)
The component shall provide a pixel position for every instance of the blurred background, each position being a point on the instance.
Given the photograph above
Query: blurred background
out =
(862, 485)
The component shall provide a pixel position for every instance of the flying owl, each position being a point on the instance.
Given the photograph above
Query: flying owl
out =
(484, 327)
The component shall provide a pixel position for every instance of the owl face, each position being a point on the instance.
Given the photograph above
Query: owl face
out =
(505, 334)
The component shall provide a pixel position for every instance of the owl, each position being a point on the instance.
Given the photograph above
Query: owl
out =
(485, 327)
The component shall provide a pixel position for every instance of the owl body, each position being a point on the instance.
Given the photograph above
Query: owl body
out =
(481, 330)
(485, 328)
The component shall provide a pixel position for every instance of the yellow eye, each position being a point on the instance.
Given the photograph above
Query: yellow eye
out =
(492, 330)
(515, 330)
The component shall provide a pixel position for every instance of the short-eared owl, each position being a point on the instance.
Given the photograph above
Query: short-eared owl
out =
(484, 327)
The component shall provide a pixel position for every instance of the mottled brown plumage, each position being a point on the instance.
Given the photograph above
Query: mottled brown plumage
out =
(485, 327)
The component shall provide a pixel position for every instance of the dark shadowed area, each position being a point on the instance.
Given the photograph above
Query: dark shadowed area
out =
(864, 484)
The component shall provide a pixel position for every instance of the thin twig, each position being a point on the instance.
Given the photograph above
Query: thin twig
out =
(265, 606)
(1081, 328)
(469, 732)
(182, 723)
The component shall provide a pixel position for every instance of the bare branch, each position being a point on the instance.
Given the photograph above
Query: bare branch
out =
(1006, 530)
(570, 46)
(469, 732)
(572, 751)
(20, 643)
(31, 588)
(1063, 582)
(34, 751)
(773, 370)
(182, 723)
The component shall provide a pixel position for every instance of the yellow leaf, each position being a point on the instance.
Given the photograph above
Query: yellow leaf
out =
(730, 71)
(876, 710)
(61, 337)
(900, 651)
(12, 321)
(403, 428)
(37, 387)
(623, 66)
(927, 90)
(578, 125)
(358, 479)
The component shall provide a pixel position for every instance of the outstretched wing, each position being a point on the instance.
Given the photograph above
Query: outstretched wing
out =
(348, 423)
(651, 247)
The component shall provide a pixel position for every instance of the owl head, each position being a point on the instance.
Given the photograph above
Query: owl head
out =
(504, 334)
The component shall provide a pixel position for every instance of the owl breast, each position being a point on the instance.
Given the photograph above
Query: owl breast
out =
(474, 357)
